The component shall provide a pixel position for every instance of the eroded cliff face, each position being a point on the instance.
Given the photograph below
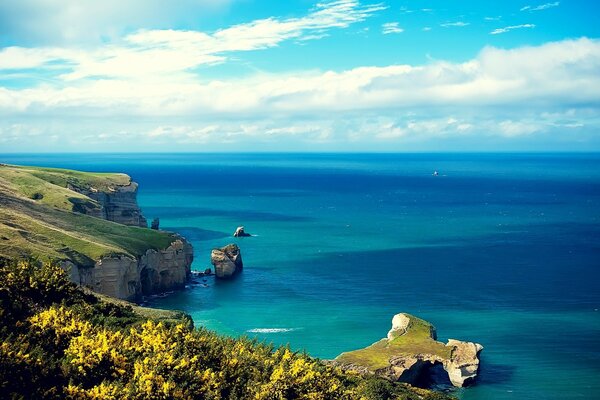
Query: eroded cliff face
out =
(118, 204)
(130, 278)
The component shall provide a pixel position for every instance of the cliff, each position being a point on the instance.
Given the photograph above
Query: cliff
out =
(129, 278)
(118, 204)
(91, 224)
(412, 354)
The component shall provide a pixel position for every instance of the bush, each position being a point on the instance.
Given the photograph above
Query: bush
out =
(58, 342)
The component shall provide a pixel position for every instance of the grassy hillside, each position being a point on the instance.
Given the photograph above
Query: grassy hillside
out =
(416, 340)
(57, 341)
(37, 217)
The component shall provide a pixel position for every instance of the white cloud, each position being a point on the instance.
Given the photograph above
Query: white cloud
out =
(391, 27)
(149, 53)
(89, 21)
(555, 73)
(541, 6)
(426, 29)
(510, 28)
(457, 24)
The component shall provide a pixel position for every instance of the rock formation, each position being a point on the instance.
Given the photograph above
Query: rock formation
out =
(239, 232)
(411, 354)
(130, 278)
(227, 261)
(118, 204)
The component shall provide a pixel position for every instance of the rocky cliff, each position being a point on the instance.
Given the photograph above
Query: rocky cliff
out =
(117, 203)
(130, 278)
(90, 223)
(411, 354)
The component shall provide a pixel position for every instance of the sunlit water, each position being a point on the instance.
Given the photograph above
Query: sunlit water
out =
(499, 249)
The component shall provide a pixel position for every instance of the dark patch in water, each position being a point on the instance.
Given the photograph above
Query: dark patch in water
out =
(238, 215)
(196, 234)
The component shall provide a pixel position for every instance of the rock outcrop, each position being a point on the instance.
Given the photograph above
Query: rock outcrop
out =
(130, 278)
(411, 354)
(227, 261)
(239, 232)
(117, 204)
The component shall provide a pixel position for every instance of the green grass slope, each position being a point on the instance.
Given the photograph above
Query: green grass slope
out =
(37, 218)
(416, 340)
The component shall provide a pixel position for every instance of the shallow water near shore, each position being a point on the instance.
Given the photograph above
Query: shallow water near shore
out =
(502, 249)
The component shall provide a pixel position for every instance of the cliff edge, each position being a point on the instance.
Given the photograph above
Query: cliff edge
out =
(91, 224)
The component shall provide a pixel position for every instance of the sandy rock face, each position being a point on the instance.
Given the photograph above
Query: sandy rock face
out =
(227, 261)
(400, 324)
(463, 365)
(129, 278)
(117, 205)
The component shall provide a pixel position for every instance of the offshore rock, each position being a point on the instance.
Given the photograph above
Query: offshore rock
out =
(411, 354)
(227, 261)
(239, 232)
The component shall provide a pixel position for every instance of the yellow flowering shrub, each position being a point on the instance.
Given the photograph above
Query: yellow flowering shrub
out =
(58, 342)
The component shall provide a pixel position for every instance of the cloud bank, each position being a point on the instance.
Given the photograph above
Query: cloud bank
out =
(146, 89)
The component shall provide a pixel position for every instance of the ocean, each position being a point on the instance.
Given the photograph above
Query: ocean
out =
(501, 249)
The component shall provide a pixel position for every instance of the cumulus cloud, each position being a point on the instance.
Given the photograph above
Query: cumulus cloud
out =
(391, 27)
(510, 28)
(144, 89)
(562, 72)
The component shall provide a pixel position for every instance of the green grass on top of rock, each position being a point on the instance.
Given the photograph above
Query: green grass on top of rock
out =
(37, 218)
(417, 340)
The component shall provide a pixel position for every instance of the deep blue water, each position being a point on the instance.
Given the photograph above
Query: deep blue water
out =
(502, 249)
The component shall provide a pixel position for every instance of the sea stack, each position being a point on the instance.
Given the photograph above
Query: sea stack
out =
(227, 261)
(239, 232)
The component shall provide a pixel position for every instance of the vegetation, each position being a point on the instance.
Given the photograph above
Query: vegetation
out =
(416, 340)
(38, 218)
(59, 341)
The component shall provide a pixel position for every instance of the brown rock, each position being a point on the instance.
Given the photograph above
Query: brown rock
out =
(227, 261)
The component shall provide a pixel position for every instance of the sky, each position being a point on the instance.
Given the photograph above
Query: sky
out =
(299, 75)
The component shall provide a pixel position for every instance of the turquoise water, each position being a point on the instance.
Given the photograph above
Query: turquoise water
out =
(502, 249)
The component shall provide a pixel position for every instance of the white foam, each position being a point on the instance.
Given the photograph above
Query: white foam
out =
(270, 330)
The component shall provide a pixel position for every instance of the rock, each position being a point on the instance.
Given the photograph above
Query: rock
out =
(227, 261)
(118, 204)
(463, 365)
(411, 354)
(130, 278)
(400, 324)
(239, 232)
(155, 224)
(207, 271)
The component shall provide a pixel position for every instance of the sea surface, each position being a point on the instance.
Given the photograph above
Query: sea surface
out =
(501, 249)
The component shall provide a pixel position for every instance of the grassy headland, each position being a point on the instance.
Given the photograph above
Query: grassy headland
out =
(416, 340)
(37, 217)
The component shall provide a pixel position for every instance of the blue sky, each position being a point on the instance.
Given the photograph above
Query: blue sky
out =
(343, 75)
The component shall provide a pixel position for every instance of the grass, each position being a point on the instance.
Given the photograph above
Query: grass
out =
(155, 314)
(417, 340)
(36, 218)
